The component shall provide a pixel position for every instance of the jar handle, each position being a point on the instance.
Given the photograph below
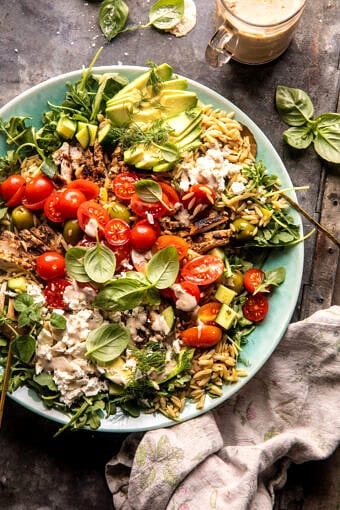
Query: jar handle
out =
(216, 53)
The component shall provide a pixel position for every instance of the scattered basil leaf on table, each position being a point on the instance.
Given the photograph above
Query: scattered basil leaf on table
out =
(99, 263)
(112, 17)
(165, 14)
(106, 343)
(296, 109)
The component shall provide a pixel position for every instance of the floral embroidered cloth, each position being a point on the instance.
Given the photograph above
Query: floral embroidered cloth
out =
(237, 455)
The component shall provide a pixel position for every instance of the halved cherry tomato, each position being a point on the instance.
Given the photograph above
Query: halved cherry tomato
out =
(187, 288)
(208, 312)
(54, 292)
(90, 189)
(171, 240)
(143, 235)
(203, 270)
(50, 265)
(124, 185)
(256, 307)
(155, 209)
(69, 202)
(199, 194)
(253, 278)
(117, 232)
(91, 210)
(38, 189)
(201, 336)
(170, 193)
(12, 190)
(52, 207)
(36, 206)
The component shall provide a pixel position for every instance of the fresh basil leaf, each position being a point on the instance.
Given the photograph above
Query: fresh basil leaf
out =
(49, 168)
(112, 17)
(152, 297)
(22, 302)
(122, 294)
(107, 342)
(74, 262)
(162, 269)
(44, 379)
(24, 347)
(100, 263)
(299, 137)
(165, 14)
(273, 277)
(58, 321)
(327, 137)
(148, 190)
(294, 105)
(135, 275)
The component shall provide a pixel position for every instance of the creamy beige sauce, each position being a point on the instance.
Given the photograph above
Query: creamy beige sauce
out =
(264, 12)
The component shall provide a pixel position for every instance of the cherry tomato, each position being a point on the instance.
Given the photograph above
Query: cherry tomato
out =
(117, 232)
(50, 265)
(171, 240)
(203, 270)
(52, 208)
(143, 235)
(90, 189)
(255, 308)
(170, 193)
(201, 336)
(188, 288)
(38, 189)
(91, 210)
(69, 202)
(54, 292)
(155, 209)
(252, 279)
(199, 194)
(124, 185)
(208, 312)
(12, 190)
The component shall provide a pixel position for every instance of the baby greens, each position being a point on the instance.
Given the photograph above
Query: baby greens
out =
(296, 109)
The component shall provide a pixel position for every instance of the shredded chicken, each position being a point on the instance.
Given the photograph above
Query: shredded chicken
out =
(40, 239)
(13, 256)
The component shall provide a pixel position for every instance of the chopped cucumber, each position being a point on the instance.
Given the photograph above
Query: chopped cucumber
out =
(169, 317)
(226, 317)
(224, 295)
(66, 128)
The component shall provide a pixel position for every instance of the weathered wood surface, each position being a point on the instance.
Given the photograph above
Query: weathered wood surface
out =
(41, 39)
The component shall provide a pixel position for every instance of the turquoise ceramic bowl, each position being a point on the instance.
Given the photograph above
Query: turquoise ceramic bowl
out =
(267, 335)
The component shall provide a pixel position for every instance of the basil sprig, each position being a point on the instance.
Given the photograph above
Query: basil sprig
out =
(150, 191)
(107, 342)
(135, 289)
(296, 109)
(95, 264)
(165, 14)
(112, 17)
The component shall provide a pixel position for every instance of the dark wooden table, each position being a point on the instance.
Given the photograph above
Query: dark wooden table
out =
(41, 39)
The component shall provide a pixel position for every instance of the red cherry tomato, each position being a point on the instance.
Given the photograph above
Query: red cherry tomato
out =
(124, 185)
(201, 336)
(170, 193)
(155, 209)
(255, 308)
(171, 240)
(199, 194)
(208, 312)
(91, 210)
(117, 232)
(52, 208)
(189, 288)
(54, 292)
(143, 235)
(203, 270)
(90, 189)
(69, 202)
(38, 189)
(252, 279)
(50, 265)
(12, 190)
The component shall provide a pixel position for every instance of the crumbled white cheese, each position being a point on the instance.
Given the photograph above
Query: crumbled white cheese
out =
(91, 228)
(136, 321)
(183, 217)
(184, 301)
(237, 188)
(35, 292)
(177, 344)
(158, 323)
(77, 298)
(188, 20)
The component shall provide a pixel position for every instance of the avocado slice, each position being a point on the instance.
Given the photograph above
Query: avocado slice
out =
(66, 128)
(131, 97)
(164, 72)
(177, 101)
(163, 166)
(83, 137)
(181, 122)
(224, 295)
(132, 156)
(226, 317)
(147, 115)
(177, 84)
(120, 113)
(185, 356)
(191, 146)
(18, 284)
(169, 316)
(186, 132)
(117, 372)
(195, 133)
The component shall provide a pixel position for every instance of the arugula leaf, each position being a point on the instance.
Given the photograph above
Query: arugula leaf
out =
(99, 263)
(112, 17)
(107, 342)
(162, 269)
(58, 321)
(165, 14)
(294, 105)
(45, 379)
(272, 277)
(49, 168)
(257, 175)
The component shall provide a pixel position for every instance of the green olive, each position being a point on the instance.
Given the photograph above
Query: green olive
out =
(117, 210)
(235, 281)
(243, 229)
(22, 217)
(72, 232)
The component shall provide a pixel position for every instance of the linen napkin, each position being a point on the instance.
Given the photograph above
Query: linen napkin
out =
(237, 455)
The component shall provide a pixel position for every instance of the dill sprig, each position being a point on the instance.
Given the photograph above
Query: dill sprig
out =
(132, 135)
(154, 80)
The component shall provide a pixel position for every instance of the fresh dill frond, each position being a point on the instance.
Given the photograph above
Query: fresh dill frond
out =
(150, 357)
(132, 135)
(154, 80)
